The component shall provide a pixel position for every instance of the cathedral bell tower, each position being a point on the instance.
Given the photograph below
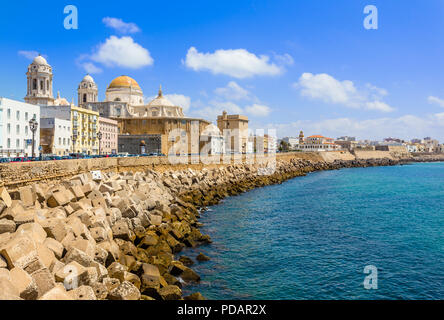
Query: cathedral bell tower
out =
(39, 82)
(87, 91)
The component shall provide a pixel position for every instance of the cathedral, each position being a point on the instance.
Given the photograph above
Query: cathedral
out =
(142, 127)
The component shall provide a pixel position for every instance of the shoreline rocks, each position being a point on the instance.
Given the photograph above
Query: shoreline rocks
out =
(117, 235)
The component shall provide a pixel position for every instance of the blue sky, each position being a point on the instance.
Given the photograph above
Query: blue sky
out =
(289, 65)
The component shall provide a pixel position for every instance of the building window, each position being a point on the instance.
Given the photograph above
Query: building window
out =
(9, 128)
(18, 115)
(26, 116)
(18, 129)
(17, 143)
(9, 143)
(47, 85)
(41, 86)
(60, 141)
(34, 84)
(84, 97)
(26, 130)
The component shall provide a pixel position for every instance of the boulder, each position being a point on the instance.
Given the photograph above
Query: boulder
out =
(56, 293)
(195, 296)
(125, 291)
(44, 281)
(19, 252)
(202, 257)
(55, 246)
(170, 292)
(24, 283)
(7, 226)
(4, 195)
(82, 293)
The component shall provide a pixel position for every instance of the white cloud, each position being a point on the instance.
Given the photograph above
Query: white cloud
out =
(29, 54)
(330, 90)
(177, 99)
(405, 127)
(237, 63)
(436, 100)
(120, 26)
(90, 67)
(180, 100)
(284, 59)
(258, 110)
(233, 91)
(379, 106)
(122, 52)
(215, 108)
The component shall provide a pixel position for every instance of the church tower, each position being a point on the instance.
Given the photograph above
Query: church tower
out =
(39, 82)
(87, 91)
(301, 137)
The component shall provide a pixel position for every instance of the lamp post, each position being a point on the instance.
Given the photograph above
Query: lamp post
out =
(74, 139)
(33, 124)
(99, 136)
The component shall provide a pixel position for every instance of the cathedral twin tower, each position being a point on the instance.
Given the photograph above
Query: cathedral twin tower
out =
(40, 90)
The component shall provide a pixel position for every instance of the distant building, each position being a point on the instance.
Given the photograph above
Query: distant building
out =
(84, 125)
(346, 138)
(318, 143)
(15, 134)
(55, 136)
(349, 145)
(293, 142)
(109, 131)
(234, 128)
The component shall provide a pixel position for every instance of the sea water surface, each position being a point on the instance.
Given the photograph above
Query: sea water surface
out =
(311, 237)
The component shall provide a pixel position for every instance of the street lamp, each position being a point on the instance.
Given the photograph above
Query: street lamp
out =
(99, 136)
(33, 124)
(74, 139)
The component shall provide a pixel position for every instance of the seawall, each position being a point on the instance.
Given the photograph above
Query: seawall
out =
(117, 235)
(18, 174)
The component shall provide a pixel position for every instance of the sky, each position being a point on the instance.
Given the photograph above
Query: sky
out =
(288, 65)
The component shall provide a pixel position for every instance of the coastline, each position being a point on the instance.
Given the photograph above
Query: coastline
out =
(123, 230)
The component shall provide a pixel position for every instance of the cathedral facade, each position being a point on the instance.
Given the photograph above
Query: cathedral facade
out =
(143, 127)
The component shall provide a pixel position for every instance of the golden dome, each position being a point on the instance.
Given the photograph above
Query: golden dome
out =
(123, 82)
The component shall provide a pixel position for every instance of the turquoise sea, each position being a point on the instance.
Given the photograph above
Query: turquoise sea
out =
(311, 237)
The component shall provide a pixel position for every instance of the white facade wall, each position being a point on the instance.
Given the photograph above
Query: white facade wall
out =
(62, 134)
(15, 135)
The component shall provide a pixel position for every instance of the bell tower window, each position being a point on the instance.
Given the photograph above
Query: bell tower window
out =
(34, 84)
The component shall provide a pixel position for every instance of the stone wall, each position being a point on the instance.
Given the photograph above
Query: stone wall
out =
(16, 174)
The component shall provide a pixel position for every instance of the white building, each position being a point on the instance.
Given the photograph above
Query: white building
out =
(293, 142)
(318, 143)
(412, 148)
(15, 134)
(55, 136)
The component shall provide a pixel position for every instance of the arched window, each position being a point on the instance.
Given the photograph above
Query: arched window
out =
(47, 85)
(34, 84)
(84, 97)
(117, 99)
(41, 85)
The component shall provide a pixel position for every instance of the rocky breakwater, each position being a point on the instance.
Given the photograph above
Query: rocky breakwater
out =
(116, 236)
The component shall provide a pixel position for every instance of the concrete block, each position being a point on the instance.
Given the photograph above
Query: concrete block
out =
(56, 293)
(7, 226)
(45, 255)
(82, 293)
(55, 246)
(32, 230)
(4, 195)
(125, 291)
(44, 281)
(59, 198)
(24, 284)
(19, 252)
(27, 195)
(77, 255)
